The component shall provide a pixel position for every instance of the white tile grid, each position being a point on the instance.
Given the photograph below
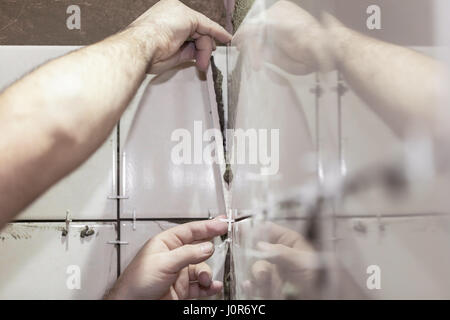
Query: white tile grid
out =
(48, 208)
(430, 290)
(33, 254)
(155, 185)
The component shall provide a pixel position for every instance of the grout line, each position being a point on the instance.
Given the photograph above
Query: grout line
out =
(362, 216)
(61, 220)
(180, 220)
(118, 200)
(183, 220)
(395, 215)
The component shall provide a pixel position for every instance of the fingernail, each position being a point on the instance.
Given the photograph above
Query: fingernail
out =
(262, 276)
(207, 247)
(204, 279)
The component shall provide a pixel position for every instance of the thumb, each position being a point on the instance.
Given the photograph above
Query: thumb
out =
(183, 256)
(290, 258)
(186, 53)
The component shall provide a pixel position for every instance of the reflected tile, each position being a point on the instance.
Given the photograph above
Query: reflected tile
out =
(275, 260)
(411, 253)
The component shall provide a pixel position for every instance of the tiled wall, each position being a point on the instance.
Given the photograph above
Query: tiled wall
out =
(129, 190)
(40, 263)
(129, 178)
(128, 187)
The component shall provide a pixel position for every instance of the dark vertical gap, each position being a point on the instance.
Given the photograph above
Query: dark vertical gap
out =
(218, 82)
(239, 11)
(227, 266)
(227, 276)
(340, 151)
(340, 90)
(118, 162)
(317, 91)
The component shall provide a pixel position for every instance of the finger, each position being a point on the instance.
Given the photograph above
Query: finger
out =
(256, 52)
(206, 26)
(261, 272)
(202, 273)
(196, 291)
(204, 48)
(282, 235)
(193, 231)
(186, 53)
(248, 288)
(196, 35)
(249, 40)
(286, 257)
(288, 64)
(246, 32)
(183, 256)
(179, 286)
(266, 279)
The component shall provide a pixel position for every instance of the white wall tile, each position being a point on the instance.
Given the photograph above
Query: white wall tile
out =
(155, 185)
(36, 258)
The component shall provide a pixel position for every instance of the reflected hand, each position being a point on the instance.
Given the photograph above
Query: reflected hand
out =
(165, 29)
(289, 268)
(287, 36)
(171, 265)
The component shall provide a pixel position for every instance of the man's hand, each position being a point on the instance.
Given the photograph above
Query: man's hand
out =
(171, 265)
(175, 33)
(287, 36)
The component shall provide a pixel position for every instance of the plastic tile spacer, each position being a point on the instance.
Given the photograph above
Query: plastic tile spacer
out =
(116, 242)
(229, 221)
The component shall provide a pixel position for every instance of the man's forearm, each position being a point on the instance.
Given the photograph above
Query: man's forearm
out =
(55, 117)
(403, 87)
